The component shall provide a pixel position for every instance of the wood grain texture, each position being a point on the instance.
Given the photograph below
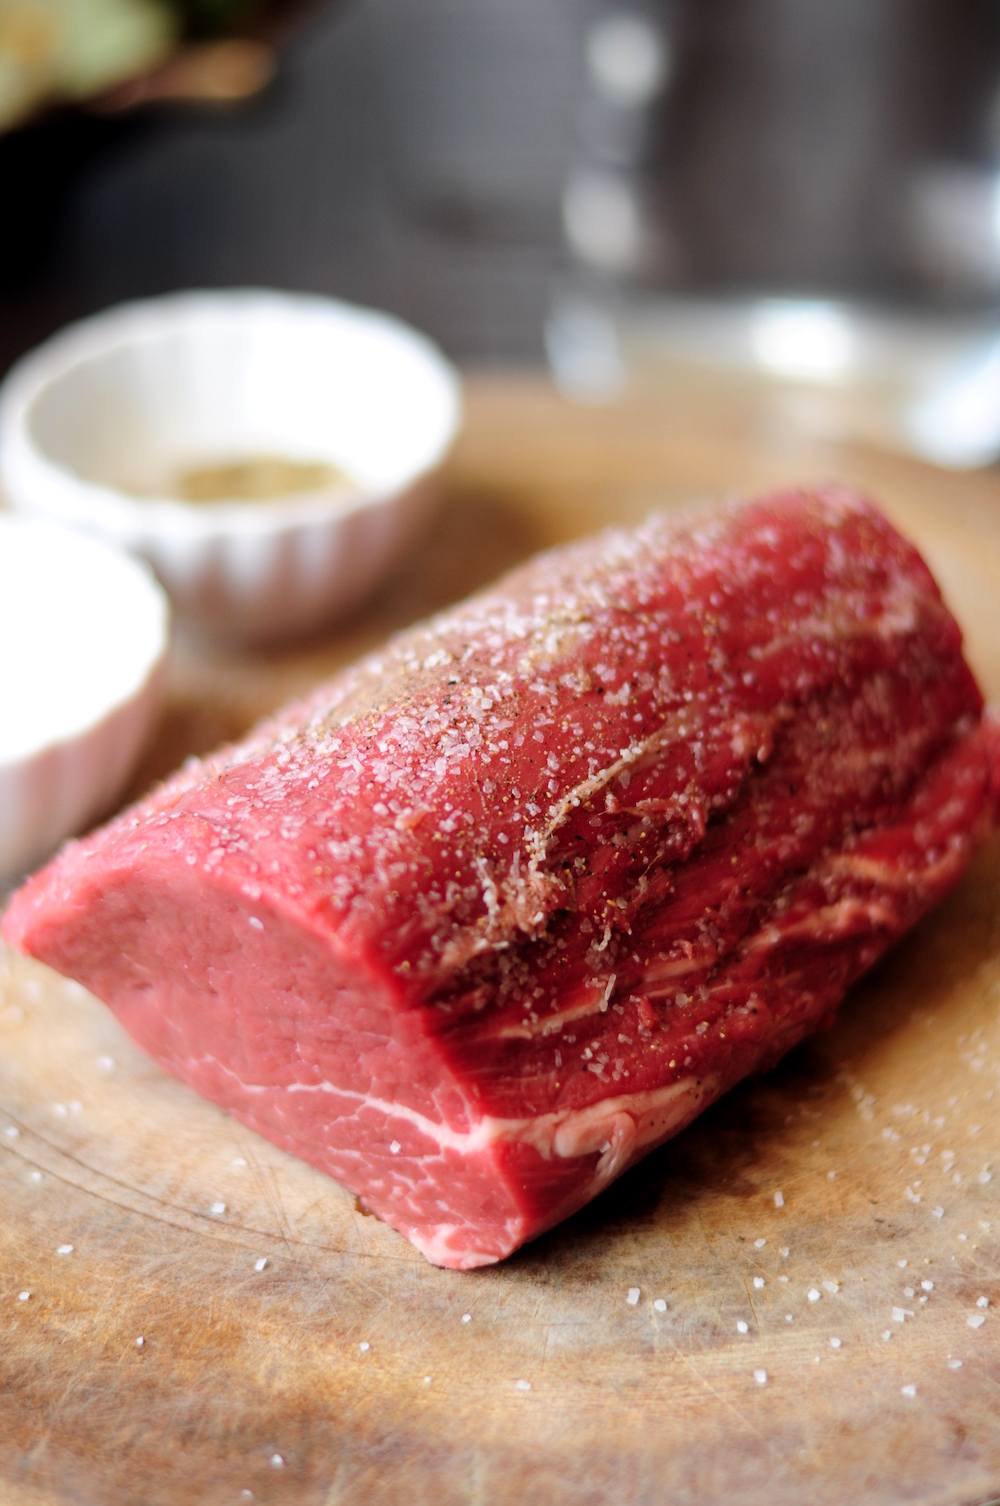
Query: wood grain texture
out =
(883, 1137)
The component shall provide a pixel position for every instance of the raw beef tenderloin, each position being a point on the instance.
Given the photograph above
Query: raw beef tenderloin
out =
(504, 906)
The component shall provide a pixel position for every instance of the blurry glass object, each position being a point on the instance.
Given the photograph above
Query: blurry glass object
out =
(834, 146)
(806, 190)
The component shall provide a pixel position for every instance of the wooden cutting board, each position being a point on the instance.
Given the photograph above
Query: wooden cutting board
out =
(797, 1301)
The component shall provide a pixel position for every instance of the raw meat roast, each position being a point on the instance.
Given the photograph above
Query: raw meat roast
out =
(504, 906)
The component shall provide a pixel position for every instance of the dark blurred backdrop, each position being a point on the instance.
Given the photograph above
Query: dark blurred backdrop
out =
(458, 160)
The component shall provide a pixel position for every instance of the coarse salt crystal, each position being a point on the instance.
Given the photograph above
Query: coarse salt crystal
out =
(64, 1250)
(887, 1333)
(261, 1264)
(899, 1315)
(982, 1301)
(928, 1286)
(276, 1461)
(759, 1244)
(217, 1208)
(741, 1327)
(758, 1282)
(784, 1252)
(937, 1212)
(760, 1376)
(395, 1147)
(139, 1342)
(954, 1364)
(522, 1385)
(258, 925)
(466, 1317)
(908, 1291)
(908, 1390)
(659, 1306)
(634, 1293)
(835, 1343)
(428, 1379)
(12, 1132)
(901, 1264)
(23, 1296)
(239, 1161)
(779, 1199)
(976, 1320)
(831, 1286)
(364, 1346)
(813, 1294)
(831, 1176)
(106, 1063)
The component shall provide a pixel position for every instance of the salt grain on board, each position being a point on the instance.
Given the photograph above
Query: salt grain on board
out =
(759, 1244)
(140, 1341)
(954, 1364)
(779, 1199)
(741, 1327)
(634, 1294)
(813, 1294)
(831, 1286)
(64, 1250)
(522, 1385)
(261, 1264)
(659, 1306)
(976, 1320)
(218, 1209)
(835, 1343)
(12, 1132)
(758, 1282)
(908, 1390)
(982, 1301)
(466, 1317)
(760, 1376)
(277, 1461)
(23, 1296)
(364, 1346)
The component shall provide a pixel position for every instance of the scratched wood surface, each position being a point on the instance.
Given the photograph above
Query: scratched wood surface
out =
(345, 1369)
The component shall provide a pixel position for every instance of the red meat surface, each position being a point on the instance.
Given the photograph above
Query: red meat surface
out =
(504, 906)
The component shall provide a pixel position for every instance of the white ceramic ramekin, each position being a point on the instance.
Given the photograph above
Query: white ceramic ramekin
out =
(95, 423)
(83, 639)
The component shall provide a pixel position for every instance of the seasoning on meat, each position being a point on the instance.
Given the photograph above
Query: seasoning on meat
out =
(504, 906)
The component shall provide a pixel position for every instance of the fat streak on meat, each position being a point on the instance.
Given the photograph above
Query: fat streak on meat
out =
(504, 906)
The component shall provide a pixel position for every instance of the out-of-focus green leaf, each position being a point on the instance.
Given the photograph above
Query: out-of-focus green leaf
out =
(54, 50)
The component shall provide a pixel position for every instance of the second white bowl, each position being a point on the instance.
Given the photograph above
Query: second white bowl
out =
(96, 423)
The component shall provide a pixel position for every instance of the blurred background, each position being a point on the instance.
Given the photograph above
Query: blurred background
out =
(527, 180)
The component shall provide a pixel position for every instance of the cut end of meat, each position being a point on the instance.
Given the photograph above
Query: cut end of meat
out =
(503, 907)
